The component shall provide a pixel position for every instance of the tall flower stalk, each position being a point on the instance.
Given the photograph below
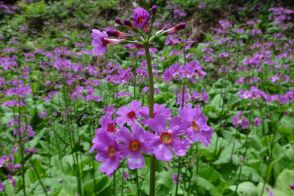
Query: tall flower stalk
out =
(151, 113)
(130, 131)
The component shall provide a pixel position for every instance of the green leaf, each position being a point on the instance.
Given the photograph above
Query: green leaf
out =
(284, 180)
(245, 189)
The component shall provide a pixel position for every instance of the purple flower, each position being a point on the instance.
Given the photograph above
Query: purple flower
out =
(196, 123)
(3, 159)
(100, 41)
(166, 139)
(245, 123)
(125, 175)
(200, 96)
(11, 180)
(129, 114)
(13, 103)
(159, 110)
(223, 55)
(141, 18)
(19, 91)
(170, 40)
(108, 152)
(291, 186)
(175, 178)
(1, 187)
(257, 121)
(240, 120)
(132, 146)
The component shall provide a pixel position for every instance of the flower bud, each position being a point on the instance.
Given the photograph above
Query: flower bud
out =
(115, 33)
(119, 21)
(128, 23)
(175, 28)
(180, 26)
(154, 9)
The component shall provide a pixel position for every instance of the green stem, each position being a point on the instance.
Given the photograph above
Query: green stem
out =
(179, 160)
(151, 114)
(122, 182)
(114, 183)
(246, 148)
(39, 179)
(178, 175)
(137, 183)
(21, 143)
(231, 157)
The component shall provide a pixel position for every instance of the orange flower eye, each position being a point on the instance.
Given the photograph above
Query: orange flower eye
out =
(135, 145)
(195, 126)
(140, 20)
(166, 138)
(111, 151)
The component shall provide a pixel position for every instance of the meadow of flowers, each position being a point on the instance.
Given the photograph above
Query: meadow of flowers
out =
(112, 97)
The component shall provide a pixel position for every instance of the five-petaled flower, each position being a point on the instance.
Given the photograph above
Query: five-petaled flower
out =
(141, 18)
(167, 139)
(108, 152)
(129, 114)
(133, 145)
(196, 124)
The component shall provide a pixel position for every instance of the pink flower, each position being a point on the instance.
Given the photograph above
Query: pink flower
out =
(141, 18)
(129, 114)
(108, 152)
(132, 146)
(159, 110)
(166, 140)
(100, 41)
(1, 187)
(257, 121)
(196, 123)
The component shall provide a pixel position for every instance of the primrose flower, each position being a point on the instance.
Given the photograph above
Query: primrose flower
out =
(240, 120)
(107, 124)
(166, 139)
(100, 41)
(1, 187)
(159, 110)
(141, 18)
(196, 123)
(257, 121)
(132, 146)
(129, 114)
(108, 152)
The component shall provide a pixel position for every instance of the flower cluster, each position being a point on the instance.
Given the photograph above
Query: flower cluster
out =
(191, 71)
(256, 93)
(134, 27)
(129, 133)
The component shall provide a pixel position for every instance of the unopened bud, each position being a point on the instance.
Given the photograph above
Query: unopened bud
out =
(154, 9)
(175, 28)
(119, 21)
(128, 23)
(115, 33)
(180, 26)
